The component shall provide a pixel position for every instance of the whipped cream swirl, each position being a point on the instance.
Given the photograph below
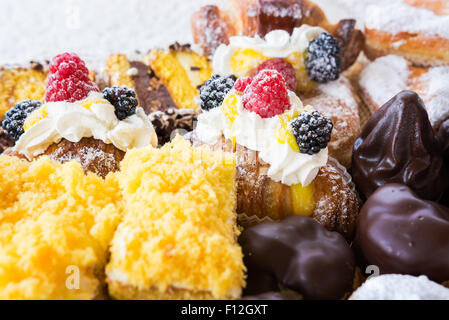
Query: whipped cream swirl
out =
(276, 44)
(256, 133)
(73, 121)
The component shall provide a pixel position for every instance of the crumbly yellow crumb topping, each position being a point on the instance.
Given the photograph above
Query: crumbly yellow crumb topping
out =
(181, 72)
(175, 208)
(178, 229)
(55, 227)
(20, 84)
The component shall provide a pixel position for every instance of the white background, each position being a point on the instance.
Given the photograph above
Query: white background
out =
(39, 29)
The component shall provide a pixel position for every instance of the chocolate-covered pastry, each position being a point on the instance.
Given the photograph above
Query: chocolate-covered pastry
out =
(272, 295)
(443, 136)
(299, 254)
(398, 145)
(401, 233)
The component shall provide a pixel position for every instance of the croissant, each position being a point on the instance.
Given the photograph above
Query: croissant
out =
(94, 155)
(329, 199)
(212, 26)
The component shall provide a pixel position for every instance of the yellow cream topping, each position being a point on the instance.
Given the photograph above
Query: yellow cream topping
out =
(36, 116)
(244, 60)
(303, 199)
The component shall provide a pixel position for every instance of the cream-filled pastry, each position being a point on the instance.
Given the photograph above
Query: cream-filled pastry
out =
(283, 166)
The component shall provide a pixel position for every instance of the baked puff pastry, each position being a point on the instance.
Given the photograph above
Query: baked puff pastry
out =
(416, 30)
(282, 158)
(212, 26)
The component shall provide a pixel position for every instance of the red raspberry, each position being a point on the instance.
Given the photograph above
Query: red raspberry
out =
(68, 79)
(267, 94)
(241, 84)
(284, 68)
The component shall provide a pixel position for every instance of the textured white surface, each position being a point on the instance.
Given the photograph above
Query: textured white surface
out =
(31, 29)
(400, 287)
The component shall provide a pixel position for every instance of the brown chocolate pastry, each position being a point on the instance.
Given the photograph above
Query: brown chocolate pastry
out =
(167, 123)
(152, 94)
(401, 233)
(443, 136)
(5, 141)
(299, 254)
(272, 295)
(399, 145)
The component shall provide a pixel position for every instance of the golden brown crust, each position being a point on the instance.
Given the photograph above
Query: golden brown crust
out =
(259, 196)
(93, 155)
(417, 48)
(210, 28)
(337, 101)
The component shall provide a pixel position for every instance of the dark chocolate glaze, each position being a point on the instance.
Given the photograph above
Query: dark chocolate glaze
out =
(151, 93)
(401, 233)
(399, 145)
(298, 254)
(272, 295)
(443, 135)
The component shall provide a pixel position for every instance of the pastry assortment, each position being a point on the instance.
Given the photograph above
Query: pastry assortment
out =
(279, 157)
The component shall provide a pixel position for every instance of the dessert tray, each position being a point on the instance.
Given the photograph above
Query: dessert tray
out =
(279, 156)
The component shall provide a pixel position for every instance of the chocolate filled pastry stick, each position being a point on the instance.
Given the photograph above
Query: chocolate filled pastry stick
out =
(212, 26)
(298, 254)
(281, 151)
(398, 145)
(77, 122)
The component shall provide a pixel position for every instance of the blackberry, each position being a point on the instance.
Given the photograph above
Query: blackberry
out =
(214, 90)
(312, 131)
(15, 117)
(323, 58)
(123, 99)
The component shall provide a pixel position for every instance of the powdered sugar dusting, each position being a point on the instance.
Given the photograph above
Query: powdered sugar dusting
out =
(395, 17)
(293, 11)
(436, 94)
(384, 78)
(400, 287)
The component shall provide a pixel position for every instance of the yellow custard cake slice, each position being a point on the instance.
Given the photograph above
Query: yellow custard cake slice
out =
(21, 83)
(182, 71)
(56, 224)
(178, 236)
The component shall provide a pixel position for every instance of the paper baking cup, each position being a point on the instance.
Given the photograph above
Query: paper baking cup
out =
(247, 221)
(346, 176)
